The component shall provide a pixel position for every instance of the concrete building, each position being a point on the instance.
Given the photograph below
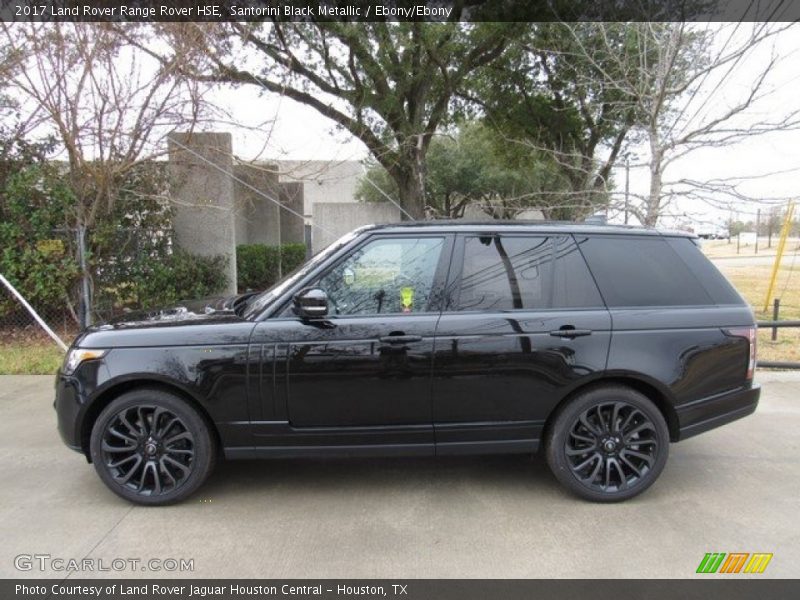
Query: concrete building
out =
(221, 203)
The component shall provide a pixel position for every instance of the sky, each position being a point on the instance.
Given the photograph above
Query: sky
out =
(267, 126)
(280, 128)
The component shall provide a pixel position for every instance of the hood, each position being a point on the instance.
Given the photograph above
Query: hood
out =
(206, 321)
(205, 310)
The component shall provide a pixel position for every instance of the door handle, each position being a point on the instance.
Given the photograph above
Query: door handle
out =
(568, 331)
(400, 339)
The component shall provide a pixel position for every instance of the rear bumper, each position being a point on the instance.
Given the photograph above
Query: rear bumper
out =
(708, 413)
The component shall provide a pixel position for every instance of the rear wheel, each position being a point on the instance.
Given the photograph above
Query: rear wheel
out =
(151, 447)
(608, 444)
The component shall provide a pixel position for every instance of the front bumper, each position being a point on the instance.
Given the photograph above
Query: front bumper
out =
(69, 403)
(707, 413)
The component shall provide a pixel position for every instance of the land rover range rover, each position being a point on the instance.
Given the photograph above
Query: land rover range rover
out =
(599, 345)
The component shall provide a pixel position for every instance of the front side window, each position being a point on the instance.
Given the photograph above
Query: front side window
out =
(385, 276)
(524, 273)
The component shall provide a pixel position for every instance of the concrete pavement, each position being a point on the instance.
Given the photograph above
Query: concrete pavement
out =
(734, 489)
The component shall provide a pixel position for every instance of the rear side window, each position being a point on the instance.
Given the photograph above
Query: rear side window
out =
(524, 273)
(642, 271)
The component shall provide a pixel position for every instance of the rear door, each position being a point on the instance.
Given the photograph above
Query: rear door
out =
(523, 323)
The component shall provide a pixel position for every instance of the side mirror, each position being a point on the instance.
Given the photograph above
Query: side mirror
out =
(311, 303)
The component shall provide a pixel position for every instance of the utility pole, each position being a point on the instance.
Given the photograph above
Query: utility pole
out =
(627, 184)
(758, 226)
(86, 298)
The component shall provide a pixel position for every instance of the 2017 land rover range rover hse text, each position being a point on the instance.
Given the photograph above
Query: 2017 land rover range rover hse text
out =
(598, 344)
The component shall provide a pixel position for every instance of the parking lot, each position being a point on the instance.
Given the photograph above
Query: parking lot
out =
(734, 489)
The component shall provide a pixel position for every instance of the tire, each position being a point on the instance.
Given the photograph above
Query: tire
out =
(147, 464)
(607, 444)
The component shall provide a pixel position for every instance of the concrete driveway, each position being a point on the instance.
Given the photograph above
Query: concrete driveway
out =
(735, 489)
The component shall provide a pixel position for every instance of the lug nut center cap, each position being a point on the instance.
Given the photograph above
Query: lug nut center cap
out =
(150, 449)
(609, 446)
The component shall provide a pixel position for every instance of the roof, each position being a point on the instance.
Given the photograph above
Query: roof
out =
(455, 226)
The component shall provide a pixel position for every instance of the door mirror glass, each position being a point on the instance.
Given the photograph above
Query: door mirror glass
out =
(311, 303)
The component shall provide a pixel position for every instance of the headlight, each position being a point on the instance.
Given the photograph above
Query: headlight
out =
(78, 355)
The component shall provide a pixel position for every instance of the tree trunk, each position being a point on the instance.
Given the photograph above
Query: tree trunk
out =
(410, 179)
(654, 207)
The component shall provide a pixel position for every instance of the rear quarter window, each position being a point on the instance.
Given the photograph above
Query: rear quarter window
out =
(636, 271)
(714, 282)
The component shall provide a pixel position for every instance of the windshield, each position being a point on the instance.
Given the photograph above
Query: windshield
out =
(259, 302)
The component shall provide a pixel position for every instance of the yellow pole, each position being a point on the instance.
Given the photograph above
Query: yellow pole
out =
(787, 226)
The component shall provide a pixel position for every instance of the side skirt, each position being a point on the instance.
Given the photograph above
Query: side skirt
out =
(446, 449)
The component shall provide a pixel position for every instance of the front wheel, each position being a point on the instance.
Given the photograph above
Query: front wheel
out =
(608, 444)
(151, 447)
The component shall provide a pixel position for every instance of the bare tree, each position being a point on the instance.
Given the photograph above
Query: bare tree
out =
(678, 86)
(548, 97)
(388, 84)
(108, 105)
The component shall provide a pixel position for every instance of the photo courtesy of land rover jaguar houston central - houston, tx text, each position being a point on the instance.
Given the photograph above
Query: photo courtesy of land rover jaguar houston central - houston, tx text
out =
(595, 345)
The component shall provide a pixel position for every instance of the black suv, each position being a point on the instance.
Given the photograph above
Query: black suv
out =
(599, 344)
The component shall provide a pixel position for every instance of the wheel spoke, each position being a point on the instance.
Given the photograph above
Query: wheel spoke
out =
(119, 463)
(122, 436)
(595, 471)
(183, 468)
(127, 477)
(582, 438)
(631, 466)
(628, 420)
(179, 451)
(623, 480)
(645, 457)
(165, 430)
(144, 425)
(603, 425)
(615, 416)
(643, 427)
(587, 462)
(167, 472)
(639, 442)
(106, 447)
(151, 466)
(585, 422)
(123, 418)
(157, 413)
(175, 438)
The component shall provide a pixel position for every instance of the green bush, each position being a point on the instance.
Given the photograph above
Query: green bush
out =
(179, 276)
(35, 251)
(257, 265)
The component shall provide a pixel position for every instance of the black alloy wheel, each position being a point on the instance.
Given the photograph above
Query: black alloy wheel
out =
(151, 447)
(608, 444)
(148, 449)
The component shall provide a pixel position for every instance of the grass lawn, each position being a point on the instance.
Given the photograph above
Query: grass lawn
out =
(723, 248)
(37, 357)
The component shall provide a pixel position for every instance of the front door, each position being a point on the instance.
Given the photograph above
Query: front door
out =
(367, 367)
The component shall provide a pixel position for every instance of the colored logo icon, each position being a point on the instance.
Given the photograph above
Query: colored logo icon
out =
(734, 562)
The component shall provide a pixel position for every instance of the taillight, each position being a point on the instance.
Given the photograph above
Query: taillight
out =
(749, 333)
